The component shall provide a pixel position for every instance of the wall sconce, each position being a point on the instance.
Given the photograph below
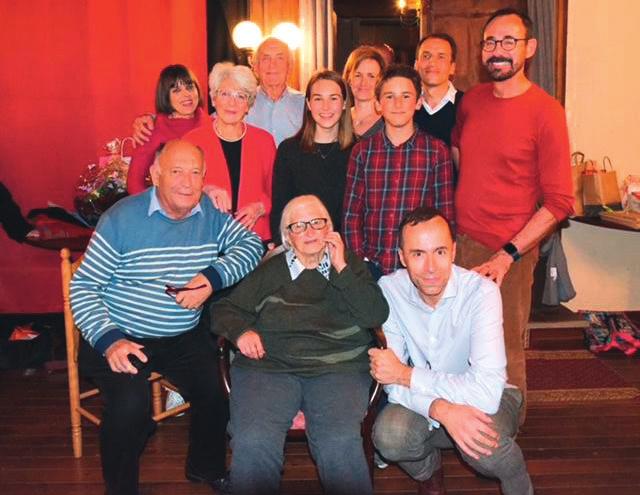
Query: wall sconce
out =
(409, 12)
(247, 35)
(289, 33)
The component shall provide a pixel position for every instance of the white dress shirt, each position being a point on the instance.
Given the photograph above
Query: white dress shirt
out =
(449, 96)
(456, 349)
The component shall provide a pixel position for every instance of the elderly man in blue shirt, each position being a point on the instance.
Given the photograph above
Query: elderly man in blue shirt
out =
(152, 262)
(278, 108)
(445, 366)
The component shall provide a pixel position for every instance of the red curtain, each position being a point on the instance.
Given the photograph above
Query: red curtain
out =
(74, 75)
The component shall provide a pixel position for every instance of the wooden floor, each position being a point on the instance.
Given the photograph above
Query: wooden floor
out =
(580, 448)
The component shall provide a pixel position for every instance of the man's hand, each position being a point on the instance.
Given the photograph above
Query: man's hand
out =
(387, 369)
(117, 355)
(496, 268)
(142, 128)
(250, 345)
(336, 250)
(193, 299)
(219, 197)
(469, 427)
(248, 215)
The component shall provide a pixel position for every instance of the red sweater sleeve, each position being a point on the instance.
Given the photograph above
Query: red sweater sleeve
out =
(141, 160)
(268, 153)
(554, 162)
(165, 129)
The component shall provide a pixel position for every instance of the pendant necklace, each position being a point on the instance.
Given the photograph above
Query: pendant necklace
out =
(326, 153)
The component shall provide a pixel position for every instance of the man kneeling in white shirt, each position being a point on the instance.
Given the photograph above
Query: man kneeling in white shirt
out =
(445, 366)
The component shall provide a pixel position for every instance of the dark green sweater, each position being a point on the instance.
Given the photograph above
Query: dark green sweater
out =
(308, 326)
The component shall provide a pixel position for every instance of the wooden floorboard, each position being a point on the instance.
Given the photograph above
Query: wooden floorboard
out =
(585, 448)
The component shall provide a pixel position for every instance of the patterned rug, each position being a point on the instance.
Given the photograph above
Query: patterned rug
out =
(575, 375)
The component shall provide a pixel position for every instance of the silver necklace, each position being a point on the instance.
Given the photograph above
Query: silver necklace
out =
(219, 134)
(327, 153)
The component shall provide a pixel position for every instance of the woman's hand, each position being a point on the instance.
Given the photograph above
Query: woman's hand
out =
(248, 215)
(219, 197)
(336, 250)
(142, 129)
(250, 345)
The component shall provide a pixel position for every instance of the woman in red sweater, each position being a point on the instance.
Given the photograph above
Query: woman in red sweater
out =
(179, 107)
(239, 157)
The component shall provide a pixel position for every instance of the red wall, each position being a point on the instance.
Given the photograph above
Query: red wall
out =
(73, 75)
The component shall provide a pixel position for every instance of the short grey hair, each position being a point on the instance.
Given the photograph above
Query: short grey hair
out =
(240, 74)
(285, 219)
(256, 57)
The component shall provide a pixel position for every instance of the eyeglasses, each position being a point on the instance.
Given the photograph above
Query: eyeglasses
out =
(170, 290)
(240, 96)
(507, 43)
(300, 227)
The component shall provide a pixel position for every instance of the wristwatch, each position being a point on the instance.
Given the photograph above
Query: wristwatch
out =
(512, 251)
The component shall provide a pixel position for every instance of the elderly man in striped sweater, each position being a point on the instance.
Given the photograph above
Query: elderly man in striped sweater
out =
(153, 260)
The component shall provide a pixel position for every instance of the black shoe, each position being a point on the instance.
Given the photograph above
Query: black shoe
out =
(221, 486)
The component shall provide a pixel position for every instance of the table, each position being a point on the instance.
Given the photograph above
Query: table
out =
(604, 265)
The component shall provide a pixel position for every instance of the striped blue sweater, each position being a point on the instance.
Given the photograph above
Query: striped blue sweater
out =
(119, 288)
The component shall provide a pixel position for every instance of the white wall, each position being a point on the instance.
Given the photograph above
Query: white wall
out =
(603, 81)
(602, 101)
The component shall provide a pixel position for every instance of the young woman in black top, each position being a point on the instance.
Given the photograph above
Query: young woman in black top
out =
(314, 161)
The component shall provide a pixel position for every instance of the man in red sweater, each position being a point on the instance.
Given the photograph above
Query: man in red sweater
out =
(512, 148)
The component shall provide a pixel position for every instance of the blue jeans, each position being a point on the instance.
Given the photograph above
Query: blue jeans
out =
(263, 405)
(403, 436)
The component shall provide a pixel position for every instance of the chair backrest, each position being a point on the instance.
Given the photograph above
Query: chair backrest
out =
(72, 334)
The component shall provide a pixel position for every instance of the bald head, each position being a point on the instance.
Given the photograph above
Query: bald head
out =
(178, 174)
(178, 147)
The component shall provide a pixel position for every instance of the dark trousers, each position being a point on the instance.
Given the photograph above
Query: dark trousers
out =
(189, 361)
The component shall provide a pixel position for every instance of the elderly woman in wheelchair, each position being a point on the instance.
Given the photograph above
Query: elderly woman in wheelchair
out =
(300, 322)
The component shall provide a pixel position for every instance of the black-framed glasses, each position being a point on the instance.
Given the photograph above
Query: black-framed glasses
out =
(170, 290)
(507, 43)
(300, 227)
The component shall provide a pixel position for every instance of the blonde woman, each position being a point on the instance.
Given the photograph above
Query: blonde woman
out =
(362, 72)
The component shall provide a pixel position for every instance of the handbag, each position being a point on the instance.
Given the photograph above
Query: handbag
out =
(600, 188)
(577, 168)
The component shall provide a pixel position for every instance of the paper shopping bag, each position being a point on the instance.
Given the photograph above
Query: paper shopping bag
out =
(600, 189)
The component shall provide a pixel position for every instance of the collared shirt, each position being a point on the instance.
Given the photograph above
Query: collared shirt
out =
(154, 205)
(456, 349)
(296, 267)
(281, 118)
(450, 96)
(384, 183)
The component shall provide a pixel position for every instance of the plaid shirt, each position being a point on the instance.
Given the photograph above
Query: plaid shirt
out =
(384, 183)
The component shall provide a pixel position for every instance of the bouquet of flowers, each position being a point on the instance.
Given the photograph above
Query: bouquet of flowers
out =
(102, 184)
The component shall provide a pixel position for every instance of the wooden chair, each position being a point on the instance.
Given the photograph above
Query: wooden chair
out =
(297, 428)
(76, 397)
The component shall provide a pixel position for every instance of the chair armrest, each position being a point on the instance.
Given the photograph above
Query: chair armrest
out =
(381, 339)
(376, 388)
